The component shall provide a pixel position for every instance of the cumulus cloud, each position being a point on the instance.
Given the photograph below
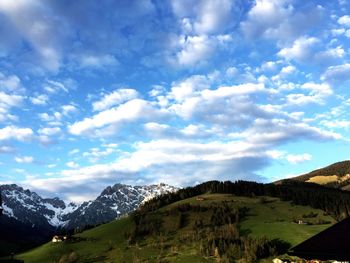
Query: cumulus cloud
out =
(301, 49)
(204, 17)
(203, 26)
(16, 133)
(265, 15)
(344, 21)
(279, 20)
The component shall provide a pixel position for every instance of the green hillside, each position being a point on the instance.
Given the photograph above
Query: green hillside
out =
(180, 231)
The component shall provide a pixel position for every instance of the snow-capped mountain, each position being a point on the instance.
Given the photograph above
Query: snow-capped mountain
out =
(29, 208)
(114, 201)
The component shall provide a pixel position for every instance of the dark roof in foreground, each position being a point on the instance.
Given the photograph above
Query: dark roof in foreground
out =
(332, 243)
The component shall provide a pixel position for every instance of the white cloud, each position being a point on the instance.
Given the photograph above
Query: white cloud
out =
(40, 99)
(72, 165)
(269, 66)
(194, 50)
(95, 154)
(203, 26)
(9, 83)
(280, 20)
(6, 149)
(73, 152)
(97, 61)
(335, 124)
(335, 74)
(115, 98)
(55, 86)
(15, 133)
(301, 49)
(298, 158)
(42, 33)
(161, 160)
(54, 119)
(318, 93)
(189, 87)
(279, 131)
(231, 72)
(264, 15)
(24, 159)
(154, 127)
(7, 101)
(67, 109)
(130, 111)
(51, 131)
(213, 16)
(291, 158)
(288, 70)
(221, 105)
(203, 17)
(344, 21)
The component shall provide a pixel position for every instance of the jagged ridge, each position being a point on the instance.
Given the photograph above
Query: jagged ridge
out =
(113, 202)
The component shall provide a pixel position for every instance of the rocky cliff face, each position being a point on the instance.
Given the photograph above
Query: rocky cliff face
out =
(114, 201)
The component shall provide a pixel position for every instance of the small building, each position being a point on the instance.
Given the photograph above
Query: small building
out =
(57, 239)
(330, 244)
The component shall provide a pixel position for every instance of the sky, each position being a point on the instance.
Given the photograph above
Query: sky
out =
(94, 93)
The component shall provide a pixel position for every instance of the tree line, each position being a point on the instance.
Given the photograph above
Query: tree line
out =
(333, 201)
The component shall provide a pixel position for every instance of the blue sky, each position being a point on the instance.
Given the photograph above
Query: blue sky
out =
(98, 92)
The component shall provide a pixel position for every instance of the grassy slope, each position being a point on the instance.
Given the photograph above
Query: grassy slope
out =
(339, 169)
(107, 243)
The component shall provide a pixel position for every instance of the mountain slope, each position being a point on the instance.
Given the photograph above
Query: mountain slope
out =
(179, 235)
(336, 175)
(114, 201)
(30, 208)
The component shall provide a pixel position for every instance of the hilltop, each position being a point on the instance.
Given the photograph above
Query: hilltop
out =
(336, 175)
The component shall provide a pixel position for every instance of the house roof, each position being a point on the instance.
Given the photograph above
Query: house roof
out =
(330, 244)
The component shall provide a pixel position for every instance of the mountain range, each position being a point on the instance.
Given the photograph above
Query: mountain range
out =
(115, 201)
